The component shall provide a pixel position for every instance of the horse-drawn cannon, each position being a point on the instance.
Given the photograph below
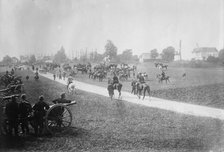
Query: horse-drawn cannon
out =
(58, 117)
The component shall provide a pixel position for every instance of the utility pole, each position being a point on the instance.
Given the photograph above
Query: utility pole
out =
(180, 51)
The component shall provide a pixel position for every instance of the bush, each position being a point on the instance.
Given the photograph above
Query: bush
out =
(212, 59)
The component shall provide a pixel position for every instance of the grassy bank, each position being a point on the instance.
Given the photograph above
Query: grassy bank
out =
(100, 124)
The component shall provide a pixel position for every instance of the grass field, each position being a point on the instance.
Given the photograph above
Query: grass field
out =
(102, 125)
(202, 86)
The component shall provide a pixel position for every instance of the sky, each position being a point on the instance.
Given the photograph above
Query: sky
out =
(43, 26)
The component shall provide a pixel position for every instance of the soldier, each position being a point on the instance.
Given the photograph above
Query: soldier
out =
(40, 109)
(61, 100)
(64, 75)
(58, 111)
(163, 75)
(115, 80)
(25, 110)
(12, 111)
(54, 76)
(141, 80)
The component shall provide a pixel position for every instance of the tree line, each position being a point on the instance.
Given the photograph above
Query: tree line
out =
(111, 52)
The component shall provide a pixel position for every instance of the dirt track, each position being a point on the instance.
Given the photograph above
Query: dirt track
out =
(174, 106)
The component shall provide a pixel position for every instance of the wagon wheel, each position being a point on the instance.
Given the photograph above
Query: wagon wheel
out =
(58, 118)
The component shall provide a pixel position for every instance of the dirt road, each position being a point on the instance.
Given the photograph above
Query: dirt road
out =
(184, 108)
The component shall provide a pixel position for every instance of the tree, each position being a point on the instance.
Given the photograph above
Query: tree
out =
(213, 59)
(98, 57)
(135, 58)
(221, 55)
(7, 59)
(154, 54)
(60, 56)
(168, 54)
(126, 55)
(110, 50)
(32, 59)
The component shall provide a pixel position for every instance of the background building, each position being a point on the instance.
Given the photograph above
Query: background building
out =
(202, 53)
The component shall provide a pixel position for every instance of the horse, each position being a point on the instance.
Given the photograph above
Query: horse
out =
(142, 87)
(161, 79)
(71, 87)
(123, 77)
(111, 87)
(164, 67)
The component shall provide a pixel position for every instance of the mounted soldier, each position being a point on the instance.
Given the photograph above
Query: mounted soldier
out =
(141, 80)
(36, 75)
(163, 75)
(115, 81)
(69, 81)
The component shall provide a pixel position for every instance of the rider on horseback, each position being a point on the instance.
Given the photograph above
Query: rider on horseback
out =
(141, 80)
(115, 81)
(163, 74)
(36, 75)
(70, 80)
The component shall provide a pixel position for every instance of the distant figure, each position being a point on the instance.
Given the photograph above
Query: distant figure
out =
(12, 112)
(69, 81)
(184, 75)
(25, 110)
(27, 77)
(54, 76)
(40, 109)
(163, 75)
(60, 75)
(62, 99)
(12, 71)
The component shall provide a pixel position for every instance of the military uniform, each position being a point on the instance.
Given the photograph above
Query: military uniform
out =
(25, 110)
(12, 111)
(39, 112)
(115, 81)
(141, 79)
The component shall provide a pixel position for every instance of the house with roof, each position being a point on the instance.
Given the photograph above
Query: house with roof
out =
(202, 53)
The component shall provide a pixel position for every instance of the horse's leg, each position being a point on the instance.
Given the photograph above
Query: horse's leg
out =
(144, 90)
(148, 90)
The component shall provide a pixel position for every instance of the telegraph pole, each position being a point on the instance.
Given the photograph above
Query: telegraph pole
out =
(180, 51)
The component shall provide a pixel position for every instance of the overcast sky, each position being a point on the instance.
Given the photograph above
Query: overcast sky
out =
(41, 26)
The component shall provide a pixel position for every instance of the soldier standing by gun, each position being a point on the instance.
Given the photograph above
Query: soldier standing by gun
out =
(12, 111)
(25, 110)
(40, 109)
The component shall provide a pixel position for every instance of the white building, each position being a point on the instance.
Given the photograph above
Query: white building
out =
(202, 53)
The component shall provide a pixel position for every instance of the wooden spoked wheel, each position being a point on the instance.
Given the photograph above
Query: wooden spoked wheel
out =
(58, 118)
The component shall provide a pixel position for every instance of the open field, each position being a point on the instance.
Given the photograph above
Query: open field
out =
(202, 86)
(102, 125)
